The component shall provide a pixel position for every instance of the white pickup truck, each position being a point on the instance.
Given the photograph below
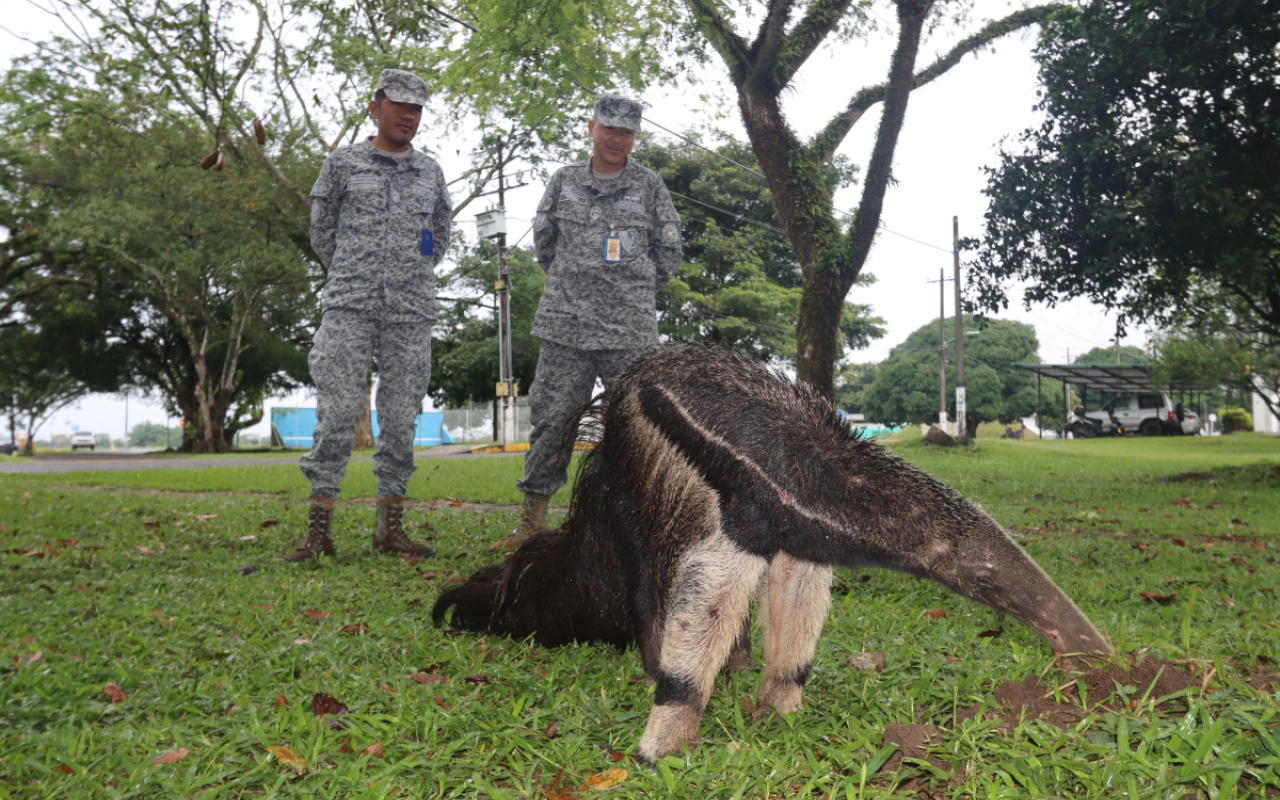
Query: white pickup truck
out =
(1149, 414)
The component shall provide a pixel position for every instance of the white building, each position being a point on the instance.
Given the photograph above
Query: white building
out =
(1263, 420)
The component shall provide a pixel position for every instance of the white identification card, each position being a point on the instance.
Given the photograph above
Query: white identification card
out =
(612, 249)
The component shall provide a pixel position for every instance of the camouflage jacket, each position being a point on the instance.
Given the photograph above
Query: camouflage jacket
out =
(367, 218)
(589, 303)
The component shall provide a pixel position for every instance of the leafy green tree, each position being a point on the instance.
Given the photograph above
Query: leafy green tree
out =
(1226, 359)
(905, 386)
(852, 382)
(1151, 185)
(1107, 355)
(151, 434)
(761, 67)
(34, 382)
(464, 354)
(740, 283)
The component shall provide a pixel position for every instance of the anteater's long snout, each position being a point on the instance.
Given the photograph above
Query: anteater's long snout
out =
(1046, 609)
(993, 570)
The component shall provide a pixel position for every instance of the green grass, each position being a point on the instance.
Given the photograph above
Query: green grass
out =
(487, 479)
(205, 654)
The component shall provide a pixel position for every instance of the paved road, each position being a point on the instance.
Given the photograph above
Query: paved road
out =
(129, 462)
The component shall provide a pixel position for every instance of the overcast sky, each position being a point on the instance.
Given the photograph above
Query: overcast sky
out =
(953, 128)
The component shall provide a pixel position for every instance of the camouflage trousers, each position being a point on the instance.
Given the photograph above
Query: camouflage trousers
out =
(341, 354)
(564, 382)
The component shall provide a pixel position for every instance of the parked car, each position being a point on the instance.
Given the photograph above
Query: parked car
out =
(82, 439)
(7, 446)
(1148, 414)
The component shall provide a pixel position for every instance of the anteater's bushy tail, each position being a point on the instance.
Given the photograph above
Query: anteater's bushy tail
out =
(561, 586)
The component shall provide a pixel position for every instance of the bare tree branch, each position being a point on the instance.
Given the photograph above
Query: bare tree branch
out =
(830, 137)
(808, 34)
(731, 47)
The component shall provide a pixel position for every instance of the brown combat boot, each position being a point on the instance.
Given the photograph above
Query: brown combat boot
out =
(389, 537)
(533, 521)
(319, 538)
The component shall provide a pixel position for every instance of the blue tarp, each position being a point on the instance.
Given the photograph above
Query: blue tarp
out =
(295, 426)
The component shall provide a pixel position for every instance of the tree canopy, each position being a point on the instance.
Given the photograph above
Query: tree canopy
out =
(905, 385)
(1151, 187)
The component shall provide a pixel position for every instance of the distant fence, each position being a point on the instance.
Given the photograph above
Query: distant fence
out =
(474, 423)
(295, 426)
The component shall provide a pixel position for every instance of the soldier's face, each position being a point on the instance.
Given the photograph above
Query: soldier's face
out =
(397, 122)
(609, 146)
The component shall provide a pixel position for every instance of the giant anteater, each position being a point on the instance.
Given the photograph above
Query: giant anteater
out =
(715, 478)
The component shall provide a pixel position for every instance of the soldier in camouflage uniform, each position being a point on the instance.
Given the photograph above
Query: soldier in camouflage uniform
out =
(379, 221)
(608, 237)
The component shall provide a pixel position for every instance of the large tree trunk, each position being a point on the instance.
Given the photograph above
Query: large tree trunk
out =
(817, 330)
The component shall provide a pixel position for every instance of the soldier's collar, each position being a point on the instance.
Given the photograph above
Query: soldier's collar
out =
(587, 178)
(404, 160)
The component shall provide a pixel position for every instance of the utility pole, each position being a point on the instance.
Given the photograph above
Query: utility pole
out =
(504, 318)
(492, 224)
(942, 348)
(962, 422)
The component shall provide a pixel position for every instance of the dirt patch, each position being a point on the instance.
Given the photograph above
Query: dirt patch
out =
(1191, 476)
(913, 742)
(1265, 681)
(1032, 698)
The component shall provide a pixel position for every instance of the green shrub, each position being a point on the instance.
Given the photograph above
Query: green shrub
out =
(1236, 419)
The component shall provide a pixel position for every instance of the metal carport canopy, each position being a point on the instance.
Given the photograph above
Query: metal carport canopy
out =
(1106, 377)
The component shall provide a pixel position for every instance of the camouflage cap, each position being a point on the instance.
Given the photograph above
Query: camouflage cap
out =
(616, 111)
(403, 86)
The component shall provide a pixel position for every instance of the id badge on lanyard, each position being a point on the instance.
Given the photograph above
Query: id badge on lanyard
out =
(428, 242)
(612, 249)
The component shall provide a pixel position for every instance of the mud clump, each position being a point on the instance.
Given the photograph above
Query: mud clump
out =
(913, 742)
(1191, 476)
(1030, 698)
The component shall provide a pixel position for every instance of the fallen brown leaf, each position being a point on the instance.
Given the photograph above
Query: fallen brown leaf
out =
(1182, 504)
(372, 751)
(354, 630)
(171, 756)
(267, 523)
(606, 780)
(936, 613)
(146, 551)
(286, 756)
(315, 613)
(441, 702)
(65, 769)
(1179, 543)
(281, 700)
(114, 693)
(323, 704)
(205, 517)
(478, 680)
(424, 679)
(1156, 597)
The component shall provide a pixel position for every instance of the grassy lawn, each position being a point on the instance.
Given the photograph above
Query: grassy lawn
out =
(155, 644)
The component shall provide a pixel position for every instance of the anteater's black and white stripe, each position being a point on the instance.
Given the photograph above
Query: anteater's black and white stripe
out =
(715, 480)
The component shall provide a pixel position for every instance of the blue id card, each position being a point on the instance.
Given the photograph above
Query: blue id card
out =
(428, 244)
(612, 249)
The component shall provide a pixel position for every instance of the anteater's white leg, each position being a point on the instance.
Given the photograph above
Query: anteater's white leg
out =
(795, 608)
(710, 599)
